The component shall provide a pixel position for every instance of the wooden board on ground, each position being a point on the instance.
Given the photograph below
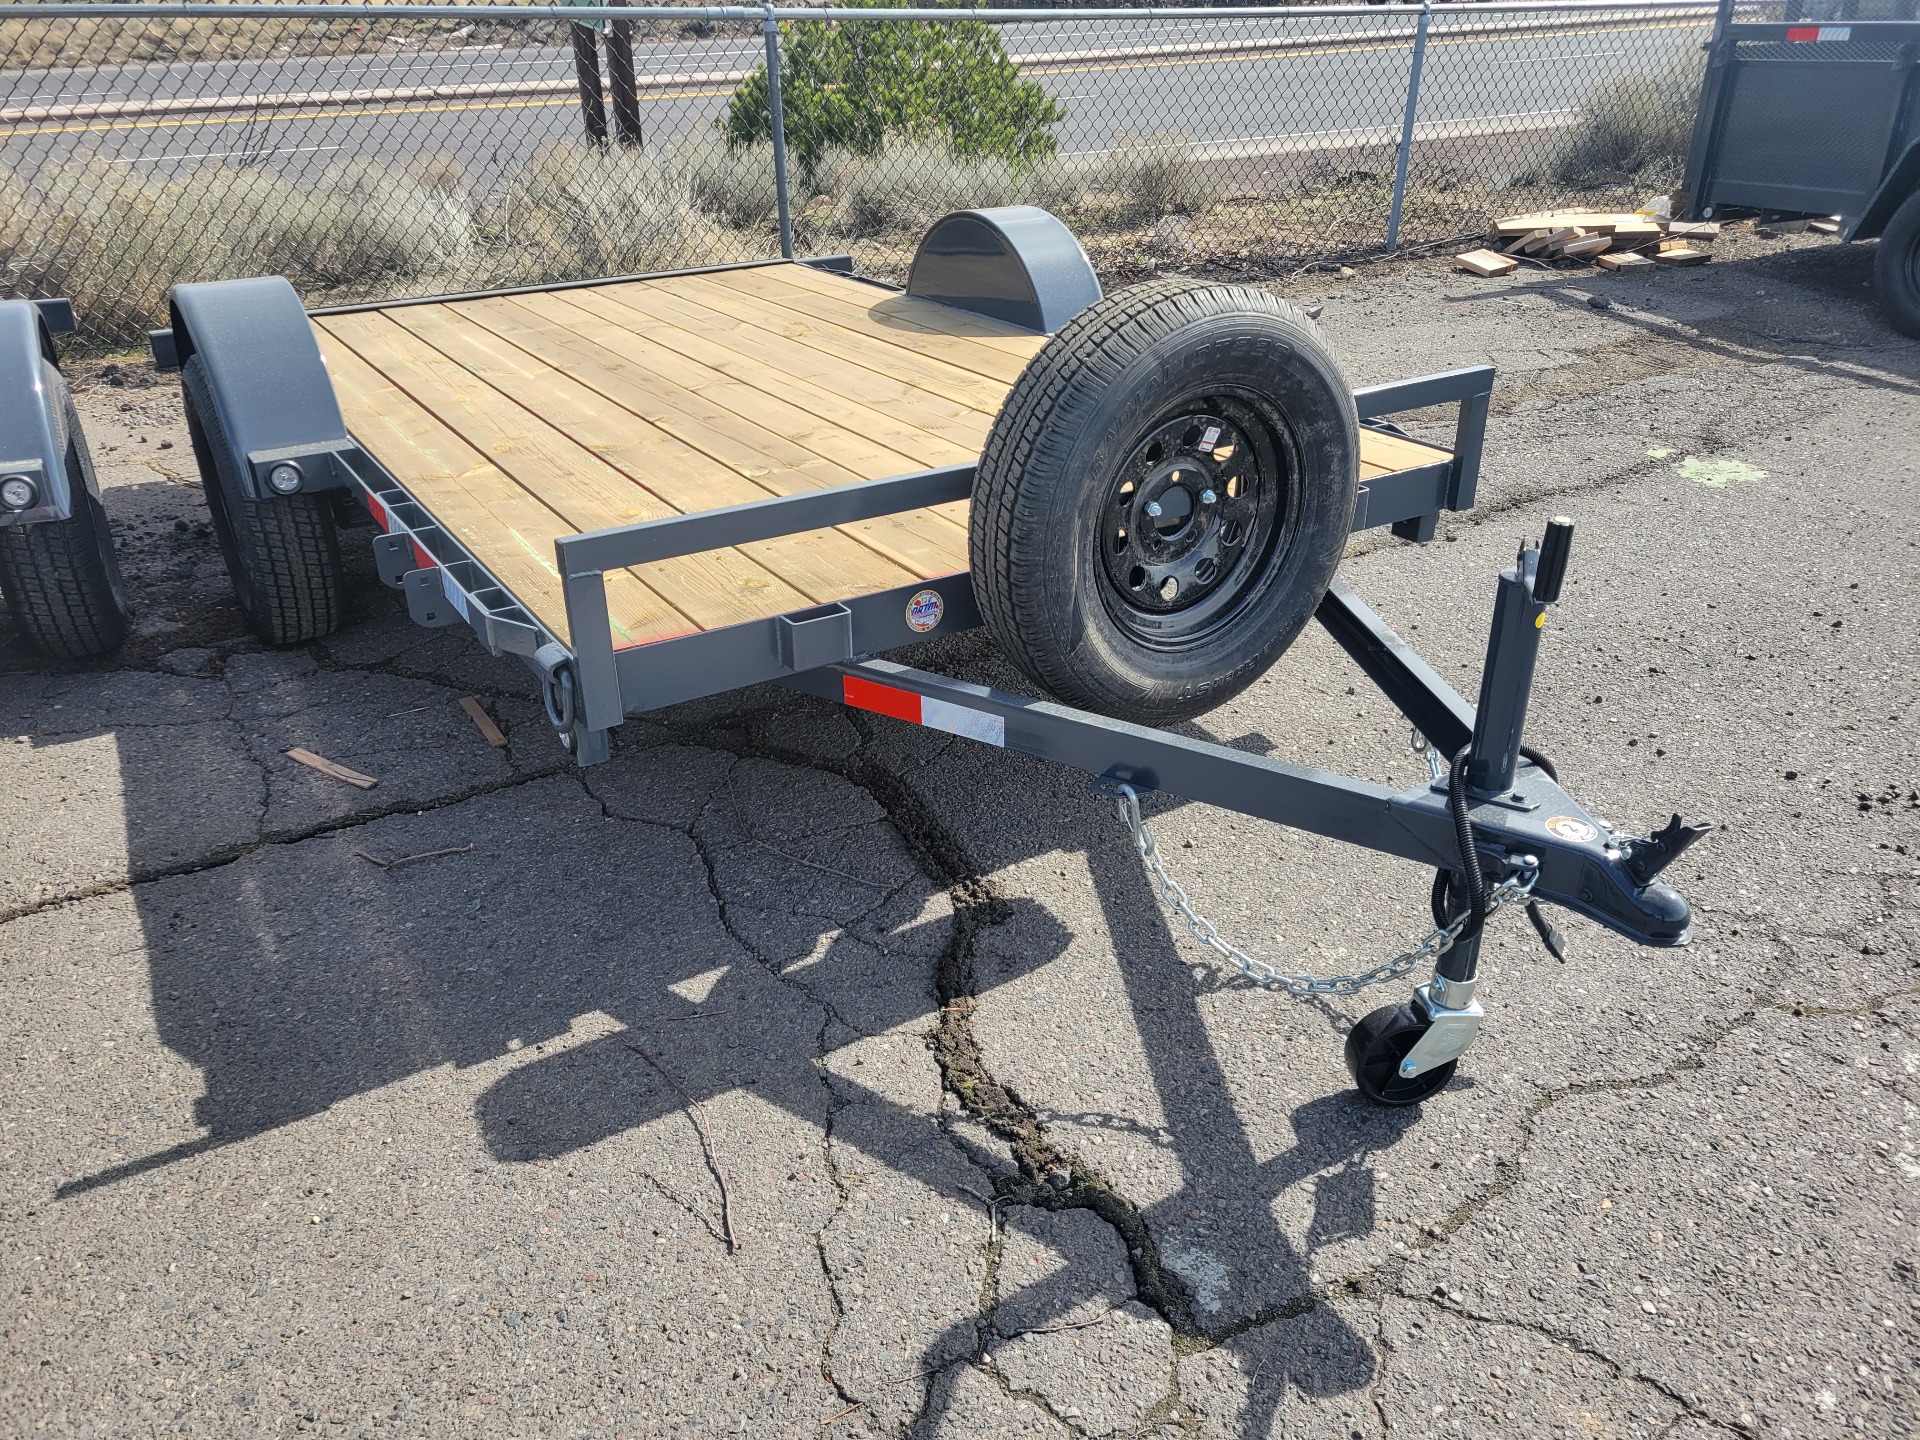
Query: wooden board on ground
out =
(1626, 261)
(1683, 255)
(1694, 229)
(1593, 221)
(517, 420)
(1528, 242)
(1587, 245)
(1486, 262)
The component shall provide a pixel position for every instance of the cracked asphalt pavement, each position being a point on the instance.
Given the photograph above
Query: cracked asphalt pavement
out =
(292, 1140)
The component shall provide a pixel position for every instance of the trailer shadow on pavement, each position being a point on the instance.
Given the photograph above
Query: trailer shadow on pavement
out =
(699, 909)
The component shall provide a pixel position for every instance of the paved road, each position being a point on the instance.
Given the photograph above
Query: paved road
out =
(1328, 97)
(296, 1143)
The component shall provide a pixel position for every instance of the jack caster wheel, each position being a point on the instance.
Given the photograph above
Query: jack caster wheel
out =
(1375, 1048)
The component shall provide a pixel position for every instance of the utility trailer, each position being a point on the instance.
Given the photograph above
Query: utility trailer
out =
(659, 487)
(57, 567)
(1815, 118)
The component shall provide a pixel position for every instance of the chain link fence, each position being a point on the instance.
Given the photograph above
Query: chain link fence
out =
(382, 152)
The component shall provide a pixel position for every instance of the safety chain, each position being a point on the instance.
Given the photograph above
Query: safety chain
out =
(1268, 977)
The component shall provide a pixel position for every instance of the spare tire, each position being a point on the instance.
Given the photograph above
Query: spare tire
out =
(1163, 499)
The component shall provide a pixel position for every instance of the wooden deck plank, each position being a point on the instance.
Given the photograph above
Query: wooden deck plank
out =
(508, 530)
(846, 359)
(740, 412)
(518, 419)
(907, 315)
(714, 588)
(685, 478)
(927, 543)
(723, 344)
(1392, 452)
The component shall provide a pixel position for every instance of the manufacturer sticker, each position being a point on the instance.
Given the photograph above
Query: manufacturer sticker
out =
(1213, 434)
(1574, 832)
(924, 611)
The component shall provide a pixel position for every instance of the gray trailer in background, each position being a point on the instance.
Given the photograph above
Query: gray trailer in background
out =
(1818, 116)
(57, 567)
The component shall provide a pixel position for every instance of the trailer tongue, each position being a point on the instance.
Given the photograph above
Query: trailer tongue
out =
(775, 472)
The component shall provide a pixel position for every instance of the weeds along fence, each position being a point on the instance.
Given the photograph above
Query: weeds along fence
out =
(372, 152)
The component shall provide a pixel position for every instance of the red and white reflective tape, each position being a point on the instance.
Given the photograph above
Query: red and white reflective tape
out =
(1811, 34)
(915, 709)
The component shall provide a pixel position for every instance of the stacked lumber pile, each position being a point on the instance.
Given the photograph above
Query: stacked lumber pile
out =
(1612, 240)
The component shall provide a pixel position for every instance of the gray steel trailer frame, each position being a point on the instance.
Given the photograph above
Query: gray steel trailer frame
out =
(1500, 815)
(1808, 118)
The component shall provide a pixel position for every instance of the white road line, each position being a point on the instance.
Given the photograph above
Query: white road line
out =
(1536, 59)
(223, 154)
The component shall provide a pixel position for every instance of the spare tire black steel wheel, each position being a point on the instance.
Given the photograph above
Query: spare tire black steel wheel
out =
(1163, 499)
(283, 553)
(60, 577)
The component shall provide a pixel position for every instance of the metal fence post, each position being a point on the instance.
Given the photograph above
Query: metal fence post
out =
(1406, 127)
(770, 28)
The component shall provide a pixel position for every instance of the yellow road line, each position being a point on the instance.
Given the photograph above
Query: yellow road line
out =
(653, 97)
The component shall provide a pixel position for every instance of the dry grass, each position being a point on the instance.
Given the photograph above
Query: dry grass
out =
(1633, 129)
(113, 242)
(734, 185)
(580, 212)
(1140, 178)
(908, 186)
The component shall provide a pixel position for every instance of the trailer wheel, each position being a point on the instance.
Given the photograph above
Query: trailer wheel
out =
(60, 577)
(1375, 1048)
(1896, 268)
(283, 554)
(1163, 499)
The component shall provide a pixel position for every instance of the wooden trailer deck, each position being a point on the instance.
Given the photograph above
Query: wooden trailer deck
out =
(516, 419)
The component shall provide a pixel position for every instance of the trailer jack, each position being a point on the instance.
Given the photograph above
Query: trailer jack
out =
(1495, 824)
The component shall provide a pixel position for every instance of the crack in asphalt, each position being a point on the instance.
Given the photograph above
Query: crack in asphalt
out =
(222, 856)
(1388, 1279)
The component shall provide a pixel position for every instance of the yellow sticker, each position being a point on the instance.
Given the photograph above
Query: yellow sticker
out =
(1540, 621)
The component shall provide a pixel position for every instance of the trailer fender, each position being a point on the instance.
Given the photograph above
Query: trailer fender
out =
(29, 437)
(1898, 183)
(1015, 263)
(264, 369)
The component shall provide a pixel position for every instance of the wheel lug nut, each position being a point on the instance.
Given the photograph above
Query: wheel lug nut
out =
(1207, 497)
(1153, 509)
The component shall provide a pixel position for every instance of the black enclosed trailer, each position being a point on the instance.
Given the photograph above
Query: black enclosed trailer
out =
(653, 488)
(1814, 118)
(57, 566)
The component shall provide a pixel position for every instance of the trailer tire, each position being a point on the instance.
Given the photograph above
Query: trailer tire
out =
(60, 577)
(283, 554)
(1216, 410)
(1896, 268)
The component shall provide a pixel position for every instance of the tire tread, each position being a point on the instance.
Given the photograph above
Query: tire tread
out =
(285, 552)
(59, 576)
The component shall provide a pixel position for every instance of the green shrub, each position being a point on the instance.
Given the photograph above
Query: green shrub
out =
(856, 86)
